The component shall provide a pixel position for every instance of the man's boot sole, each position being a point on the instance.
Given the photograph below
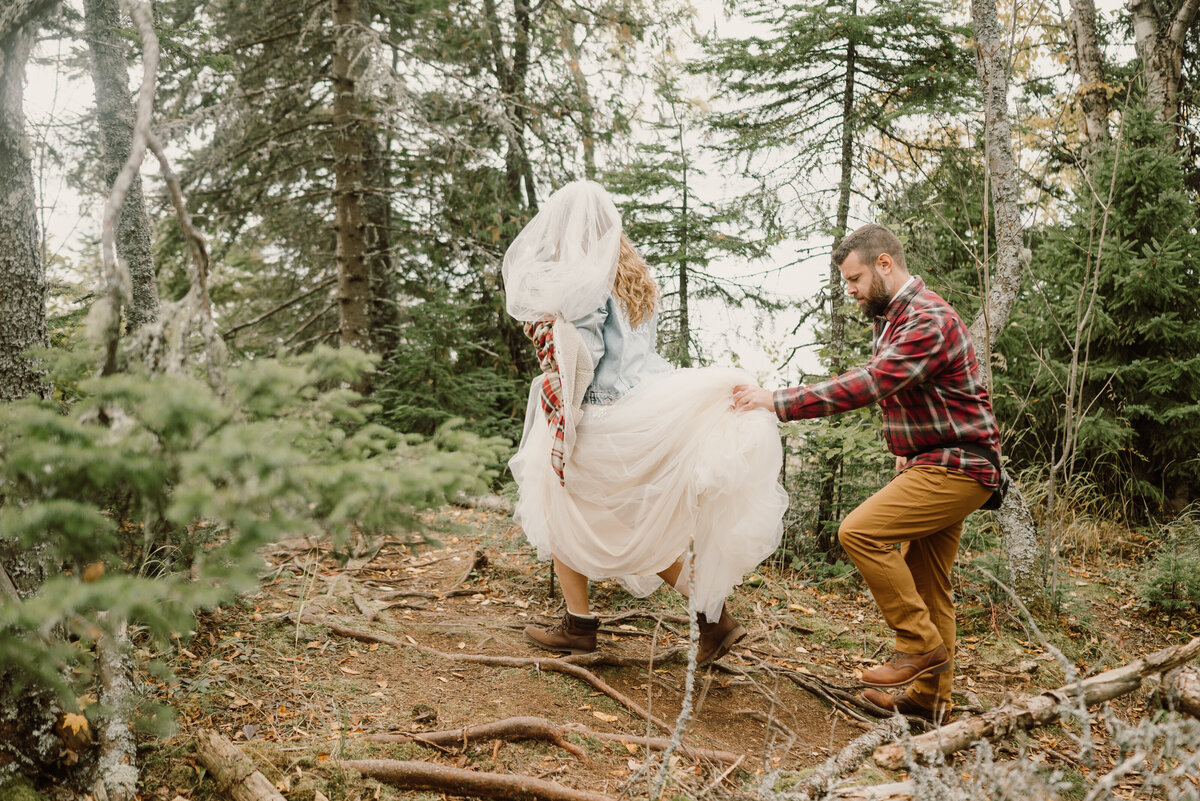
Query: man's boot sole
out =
(932, 670)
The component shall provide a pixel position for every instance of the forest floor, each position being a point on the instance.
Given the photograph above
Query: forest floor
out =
(299, 697)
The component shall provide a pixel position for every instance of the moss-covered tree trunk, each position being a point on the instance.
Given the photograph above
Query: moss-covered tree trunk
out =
(114, 107)
(22, 271)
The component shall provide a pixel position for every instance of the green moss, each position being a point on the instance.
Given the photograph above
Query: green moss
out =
(19, 789)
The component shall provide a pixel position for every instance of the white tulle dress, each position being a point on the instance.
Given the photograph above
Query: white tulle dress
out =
(668, 463)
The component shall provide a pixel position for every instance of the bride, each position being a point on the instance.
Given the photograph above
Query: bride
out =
(625, 460)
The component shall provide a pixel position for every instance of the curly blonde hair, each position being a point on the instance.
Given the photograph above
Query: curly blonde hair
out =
(634, 286)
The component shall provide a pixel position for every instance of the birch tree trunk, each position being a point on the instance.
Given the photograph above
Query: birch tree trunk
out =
(1159, 44)
(22, 272)
(1089, 66)
(114, 106)
(1002, 285)
(354, 281)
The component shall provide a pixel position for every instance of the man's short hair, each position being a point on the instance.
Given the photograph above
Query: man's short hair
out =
(868, 242)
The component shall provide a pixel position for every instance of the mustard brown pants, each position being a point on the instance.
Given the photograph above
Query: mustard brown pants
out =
(922, 510)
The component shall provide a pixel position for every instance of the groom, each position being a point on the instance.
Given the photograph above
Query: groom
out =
(937, 419)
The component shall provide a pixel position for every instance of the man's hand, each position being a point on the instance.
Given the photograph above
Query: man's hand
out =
(747, 397)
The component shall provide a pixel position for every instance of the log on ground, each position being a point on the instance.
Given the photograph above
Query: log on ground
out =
(1037, 711)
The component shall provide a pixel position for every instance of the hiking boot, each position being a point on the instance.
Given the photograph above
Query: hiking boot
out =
(574, 634)
(902, 703)
(717, 638)
(903, 668)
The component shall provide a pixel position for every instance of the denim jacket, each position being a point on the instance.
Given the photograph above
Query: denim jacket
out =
(621, 355)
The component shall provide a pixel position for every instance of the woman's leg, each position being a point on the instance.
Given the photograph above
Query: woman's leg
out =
(574, 588)
(671, 576)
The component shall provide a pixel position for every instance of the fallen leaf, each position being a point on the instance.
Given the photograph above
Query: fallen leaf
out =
(349, 671)
(607, 718)
(314, 644)
(631, 748)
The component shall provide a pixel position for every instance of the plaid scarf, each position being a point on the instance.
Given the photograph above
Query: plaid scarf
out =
(541, 333)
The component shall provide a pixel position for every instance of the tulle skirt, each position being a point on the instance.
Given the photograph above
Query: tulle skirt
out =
(668, 462)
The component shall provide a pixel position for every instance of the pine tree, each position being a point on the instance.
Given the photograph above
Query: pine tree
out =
(1137, 429)
(152, 494)
(838, 78)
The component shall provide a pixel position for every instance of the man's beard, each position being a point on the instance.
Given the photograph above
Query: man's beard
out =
(877, 299)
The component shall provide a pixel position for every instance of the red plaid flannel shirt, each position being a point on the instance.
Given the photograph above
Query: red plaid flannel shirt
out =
(541, 334)
(925, 377)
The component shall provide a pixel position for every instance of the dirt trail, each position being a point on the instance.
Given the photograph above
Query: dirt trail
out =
(298, 698)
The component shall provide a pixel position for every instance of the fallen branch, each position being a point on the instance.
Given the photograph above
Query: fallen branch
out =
(846, 761)
(232, 770)
(570, 666)
(1038, 710)
(410, 775)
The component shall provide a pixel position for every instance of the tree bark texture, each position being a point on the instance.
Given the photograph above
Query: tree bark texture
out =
(234, 773)
(413, 775)
(22, 272)
(991, 61)
(1036, 711)
(117, 769)
(354, 280)
(114, 107)
(1089, 66)
(1159, 44)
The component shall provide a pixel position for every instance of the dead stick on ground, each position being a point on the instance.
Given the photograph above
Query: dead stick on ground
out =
(552, 665)
(232, 770)
(817, 784)
(1038, 710)
(442, 778)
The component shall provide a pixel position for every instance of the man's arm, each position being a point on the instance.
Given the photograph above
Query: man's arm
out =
(915, 353)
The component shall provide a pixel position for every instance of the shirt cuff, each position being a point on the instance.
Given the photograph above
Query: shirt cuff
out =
(779, 397)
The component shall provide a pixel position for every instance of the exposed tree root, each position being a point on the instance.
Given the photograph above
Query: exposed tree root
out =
(409, 775)
(570, 668)
(1038, 710)
(535, 728)
(522, 728)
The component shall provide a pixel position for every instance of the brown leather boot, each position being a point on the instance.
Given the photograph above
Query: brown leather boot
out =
(717, 638)
(900, 702)
(574, 634)
(904, 668)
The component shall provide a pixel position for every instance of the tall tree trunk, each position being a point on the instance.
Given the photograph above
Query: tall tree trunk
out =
(1020, 537)
(685, 330)
(511, 78)
(827, 511)
(354, 281)
(385, 317)
(1159, 44)
(1089, 66)
(22, 271)
(114, 106)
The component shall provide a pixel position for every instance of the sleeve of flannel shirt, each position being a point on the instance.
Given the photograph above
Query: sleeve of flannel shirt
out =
(591, 328)
(912, 353)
